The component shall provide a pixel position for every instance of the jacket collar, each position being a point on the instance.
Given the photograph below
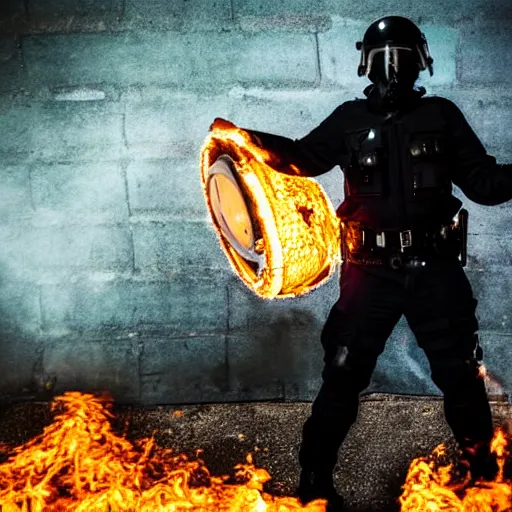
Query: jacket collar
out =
(377, 104)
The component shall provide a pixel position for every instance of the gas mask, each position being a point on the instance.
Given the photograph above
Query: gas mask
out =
(394, 70)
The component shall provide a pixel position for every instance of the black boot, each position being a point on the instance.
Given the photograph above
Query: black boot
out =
(481, 463)
(485, 468)
(314, 485)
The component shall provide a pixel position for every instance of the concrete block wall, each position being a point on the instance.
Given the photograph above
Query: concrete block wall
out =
(110, 273)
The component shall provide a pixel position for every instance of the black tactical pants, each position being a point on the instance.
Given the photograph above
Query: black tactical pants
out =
(438, 304)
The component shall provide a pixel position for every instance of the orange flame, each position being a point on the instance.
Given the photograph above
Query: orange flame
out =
(78, 464)
(298, 231)
(432, 487)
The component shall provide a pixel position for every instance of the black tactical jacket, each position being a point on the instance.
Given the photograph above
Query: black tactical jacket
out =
(398, 167)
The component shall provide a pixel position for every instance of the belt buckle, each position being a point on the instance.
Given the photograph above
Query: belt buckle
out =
(405, 239)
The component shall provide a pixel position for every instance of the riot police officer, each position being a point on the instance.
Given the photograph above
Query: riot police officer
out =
(400, 153)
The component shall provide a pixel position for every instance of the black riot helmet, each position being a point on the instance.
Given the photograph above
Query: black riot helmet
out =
(393, 49)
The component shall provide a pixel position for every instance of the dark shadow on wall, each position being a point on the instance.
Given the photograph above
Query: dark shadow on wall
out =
(277, 356)
(20, 343)
(280, 356)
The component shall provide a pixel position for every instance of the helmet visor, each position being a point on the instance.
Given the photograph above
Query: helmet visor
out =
(391, 60)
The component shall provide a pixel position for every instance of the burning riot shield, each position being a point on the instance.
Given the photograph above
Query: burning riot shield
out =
(280, 233)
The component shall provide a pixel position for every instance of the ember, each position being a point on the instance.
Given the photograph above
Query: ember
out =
(285, 236)
(79, 464)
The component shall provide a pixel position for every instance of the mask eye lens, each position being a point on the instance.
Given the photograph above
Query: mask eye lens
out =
(390, 59)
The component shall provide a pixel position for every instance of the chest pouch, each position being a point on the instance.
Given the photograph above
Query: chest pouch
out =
(366, 175)
(430, 167)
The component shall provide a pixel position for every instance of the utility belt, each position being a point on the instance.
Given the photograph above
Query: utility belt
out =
(410, 248)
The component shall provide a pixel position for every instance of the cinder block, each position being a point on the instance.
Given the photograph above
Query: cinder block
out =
(201, 61)
(493, 289)
(59, 8)
(20, 310)
(128, 58)
(167, 186)
(29, 251)
(258, 63)
(94, 366)
(298, 360)
(269, 7)
(180, 305)
(87, 193)
(15, 199)
(11, 71)
(179, 15)
(257, 367)
(171, 125)
(175, 245)
(296, 16)
(184, 370)
(484, 54)
(295, 22)
(303, 389)
(72, 16)
(20, 325)
(20, 355)
(17, 133)
(489, 250)
(60, 131)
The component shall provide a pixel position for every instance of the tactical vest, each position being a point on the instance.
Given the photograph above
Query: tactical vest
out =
(422, 157)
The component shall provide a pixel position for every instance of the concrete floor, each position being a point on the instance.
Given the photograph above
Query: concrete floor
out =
(389, 433)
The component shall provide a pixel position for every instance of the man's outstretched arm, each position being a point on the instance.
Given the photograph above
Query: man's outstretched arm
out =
(315, 154)
(476, 173)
